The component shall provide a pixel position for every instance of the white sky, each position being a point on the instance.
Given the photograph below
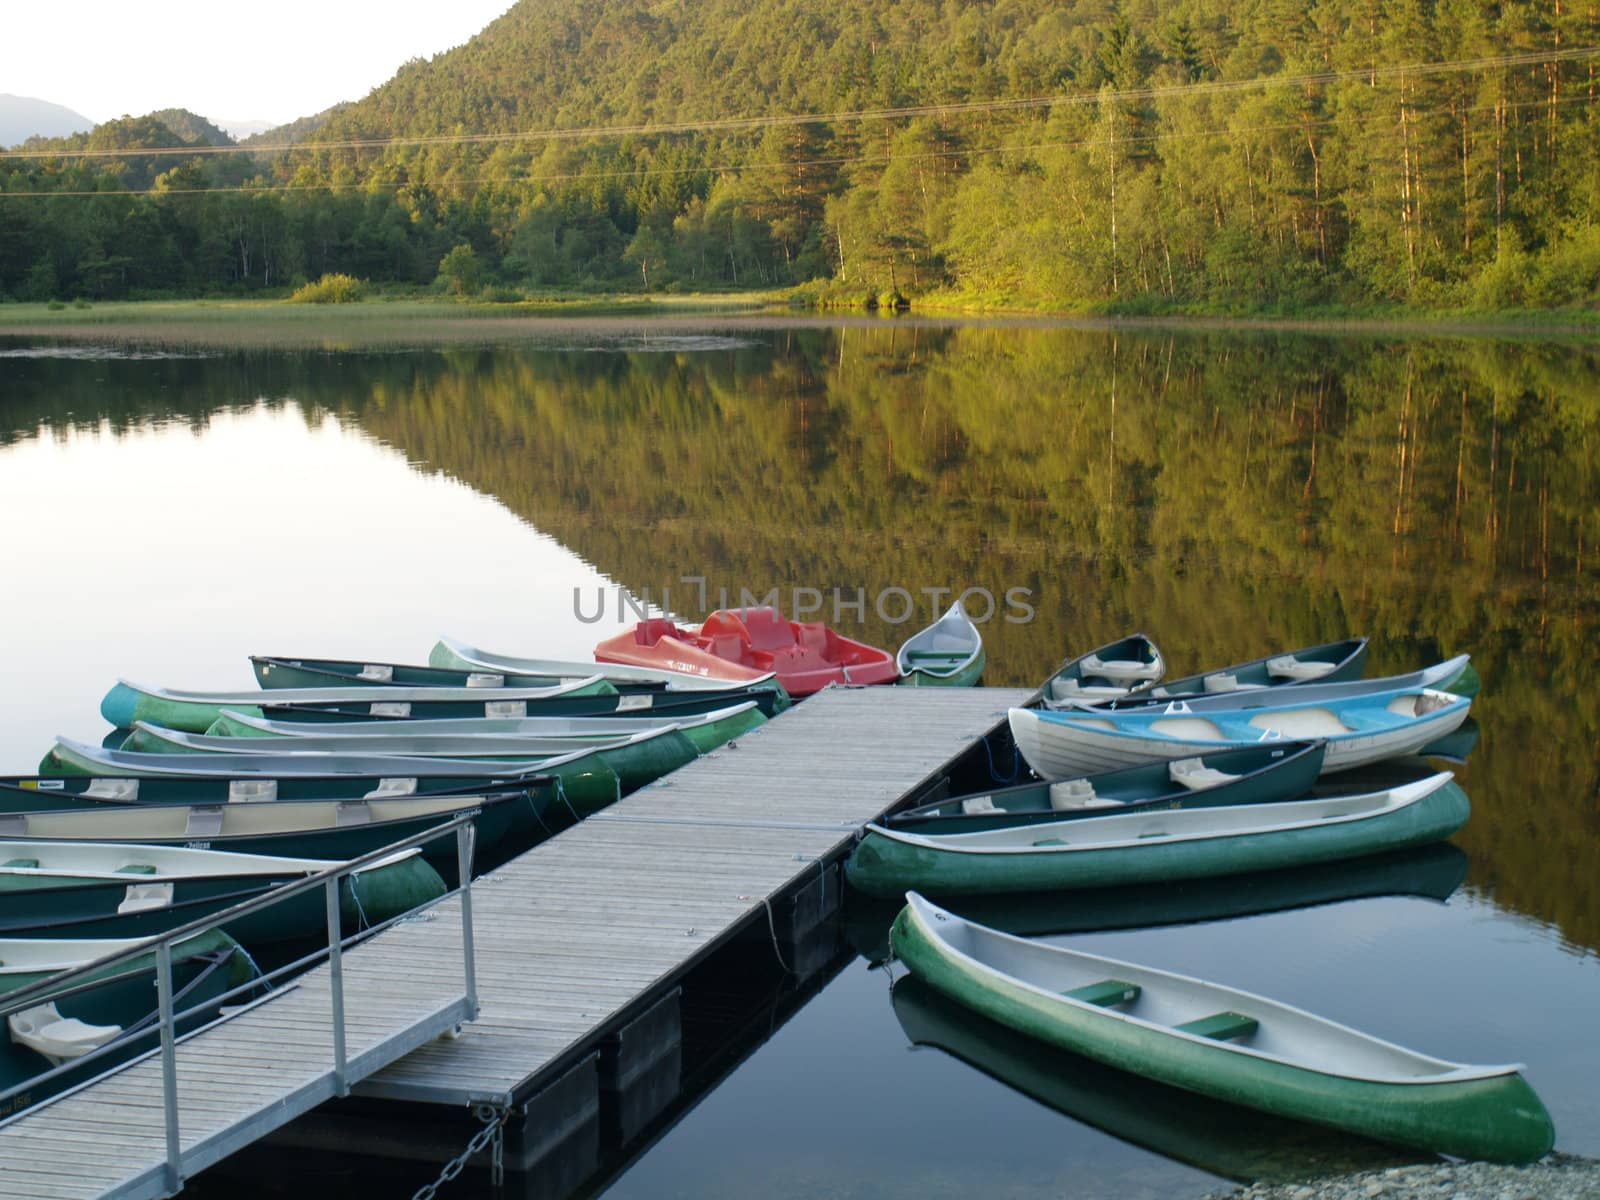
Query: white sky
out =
(227, 62)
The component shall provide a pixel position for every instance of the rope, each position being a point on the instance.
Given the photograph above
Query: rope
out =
(994, 775)
(361, 912)
(772, 928)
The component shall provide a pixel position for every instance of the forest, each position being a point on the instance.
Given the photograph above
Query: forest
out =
(1258, 156)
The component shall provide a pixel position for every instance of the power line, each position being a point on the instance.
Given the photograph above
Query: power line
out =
(829, 161)
(965, 108)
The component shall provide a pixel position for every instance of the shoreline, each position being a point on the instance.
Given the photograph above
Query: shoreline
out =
(1556, 1176)
(432, 320)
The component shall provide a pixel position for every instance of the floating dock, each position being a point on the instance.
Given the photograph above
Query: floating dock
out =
(579, 946)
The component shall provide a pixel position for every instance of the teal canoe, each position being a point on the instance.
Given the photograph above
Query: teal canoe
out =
(41, 793)
(948, 653)
(128, 703)
(635, 760)
(1252, 775)
(102, 1011)
(586, 781)
(124, 889)
(1161, 846)
(1334, 662)
(1105, 672)
(707, 731)
(274, 672)
(504, 823)
(1223, 1139)
(1223, 1043)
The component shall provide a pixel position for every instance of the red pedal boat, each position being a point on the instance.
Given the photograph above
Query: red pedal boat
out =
(748, 643)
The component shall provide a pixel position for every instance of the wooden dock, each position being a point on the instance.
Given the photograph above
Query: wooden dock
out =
(573, 940)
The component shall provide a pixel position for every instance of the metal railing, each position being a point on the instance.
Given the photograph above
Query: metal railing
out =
(88, 976)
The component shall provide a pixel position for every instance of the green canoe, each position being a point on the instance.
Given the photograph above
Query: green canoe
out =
(1431, 872)
(273, 673)
(120, 889)
(586, 781)
(505, 823)
(948, 653)
(102, 1011)
(1161, 846)
(1222, 1043)
(128, 703)
(707, 731)
(1251, 775)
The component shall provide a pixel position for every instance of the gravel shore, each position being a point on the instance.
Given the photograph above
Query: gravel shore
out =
(1554, 1177)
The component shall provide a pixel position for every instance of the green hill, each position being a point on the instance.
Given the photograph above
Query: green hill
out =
(1249, 156)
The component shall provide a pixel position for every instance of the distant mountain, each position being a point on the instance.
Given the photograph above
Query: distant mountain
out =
(23, 117)
(243, 129)
(295, 131)
(191, 127)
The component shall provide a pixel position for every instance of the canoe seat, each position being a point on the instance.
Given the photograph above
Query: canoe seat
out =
(485, 679)
(140, 897)
(250, 791)
(21, 864)
(42, 1028)
(1187, 729)
(205, 820)
(392, 787)
(1220, 682)
(377, 673)
(974, 805)
(352, 812)
(1287, 666)
(136, 869)
(1072, 794)
(1221, 1027)
(113, 789)
(1119, 670)
(1193, 774)
(389, 708)
(1107, 993)
(503, 708)
(1301, 722)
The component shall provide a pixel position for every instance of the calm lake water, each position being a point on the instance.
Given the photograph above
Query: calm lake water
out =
(169, 509)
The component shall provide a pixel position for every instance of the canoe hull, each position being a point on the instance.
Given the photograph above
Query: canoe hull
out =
(886, 866)
(1498, 1118)
(89, 910)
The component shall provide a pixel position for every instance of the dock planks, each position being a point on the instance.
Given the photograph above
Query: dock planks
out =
(570, 938)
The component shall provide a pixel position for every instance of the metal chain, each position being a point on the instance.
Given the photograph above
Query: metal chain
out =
(494, 1127)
